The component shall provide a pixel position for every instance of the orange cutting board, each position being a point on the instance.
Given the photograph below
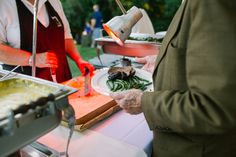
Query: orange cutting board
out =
(87, 107)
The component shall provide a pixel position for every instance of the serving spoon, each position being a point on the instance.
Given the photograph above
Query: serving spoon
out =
(9, 73)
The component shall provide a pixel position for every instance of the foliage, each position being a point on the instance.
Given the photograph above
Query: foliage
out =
(79, 11)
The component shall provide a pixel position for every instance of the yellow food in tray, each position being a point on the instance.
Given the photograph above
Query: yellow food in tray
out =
(16, 92)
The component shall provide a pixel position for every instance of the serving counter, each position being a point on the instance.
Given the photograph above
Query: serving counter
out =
(29, 108)
(119, 134)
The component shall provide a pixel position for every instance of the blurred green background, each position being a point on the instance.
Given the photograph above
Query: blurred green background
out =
(78, 12)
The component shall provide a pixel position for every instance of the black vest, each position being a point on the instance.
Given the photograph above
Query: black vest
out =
(49, 38)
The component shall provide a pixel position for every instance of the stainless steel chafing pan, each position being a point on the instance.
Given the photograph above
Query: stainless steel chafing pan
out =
(36, 112)
(138, 45)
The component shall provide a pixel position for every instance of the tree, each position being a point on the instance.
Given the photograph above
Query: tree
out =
(160, 11)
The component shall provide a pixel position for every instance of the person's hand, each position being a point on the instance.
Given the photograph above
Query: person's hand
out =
(129, 100)
(148, 61)
(46, 60)
(82, 64)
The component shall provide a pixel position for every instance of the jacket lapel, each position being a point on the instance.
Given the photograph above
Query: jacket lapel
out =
(171, 32)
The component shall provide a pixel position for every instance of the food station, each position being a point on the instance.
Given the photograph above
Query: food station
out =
(42, 124)
(30, 107)
(102, 129)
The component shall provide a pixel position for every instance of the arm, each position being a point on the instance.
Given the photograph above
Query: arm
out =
(73, 53)
(9, 55)
(70, 47)
(13, 56)
(208, 106)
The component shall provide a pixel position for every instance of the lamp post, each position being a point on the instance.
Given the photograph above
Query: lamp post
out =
(34, 43)
(121, 7)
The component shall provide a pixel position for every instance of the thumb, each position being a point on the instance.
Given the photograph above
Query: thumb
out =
(82, 70)
(117, 95)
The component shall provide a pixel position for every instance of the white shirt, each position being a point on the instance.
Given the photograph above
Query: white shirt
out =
(9, 21)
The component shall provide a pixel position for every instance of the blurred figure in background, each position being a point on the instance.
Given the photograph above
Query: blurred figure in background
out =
(96, 24)
(86, 38)
(87, 29)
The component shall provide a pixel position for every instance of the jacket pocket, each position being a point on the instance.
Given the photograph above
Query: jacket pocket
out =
(175, 145)
(176, 66)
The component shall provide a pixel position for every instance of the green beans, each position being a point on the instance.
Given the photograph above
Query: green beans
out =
(133, 82)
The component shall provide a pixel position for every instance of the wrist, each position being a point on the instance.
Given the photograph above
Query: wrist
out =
(79, 60)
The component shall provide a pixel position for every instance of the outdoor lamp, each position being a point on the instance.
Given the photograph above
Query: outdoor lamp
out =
(119, 27)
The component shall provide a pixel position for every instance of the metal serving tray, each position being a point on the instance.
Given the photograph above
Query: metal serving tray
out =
(23, 124)
(132, 48)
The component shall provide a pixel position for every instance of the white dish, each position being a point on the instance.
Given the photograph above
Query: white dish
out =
(144, 35)
(101, 76)
(161, 34)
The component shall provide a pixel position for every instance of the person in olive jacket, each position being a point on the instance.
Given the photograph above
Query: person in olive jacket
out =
(192, 110)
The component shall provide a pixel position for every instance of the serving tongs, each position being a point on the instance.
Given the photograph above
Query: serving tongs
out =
(8, 74)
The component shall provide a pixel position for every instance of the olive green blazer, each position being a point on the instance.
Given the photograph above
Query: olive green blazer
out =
(192, 110)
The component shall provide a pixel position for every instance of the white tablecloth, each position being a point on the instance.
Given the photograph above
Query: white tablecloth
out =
(121, 135)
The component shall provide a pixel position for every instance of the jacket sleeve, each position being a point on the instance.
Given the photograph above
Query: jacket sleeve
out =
(2, 33)
(2, 24)
(209, 104)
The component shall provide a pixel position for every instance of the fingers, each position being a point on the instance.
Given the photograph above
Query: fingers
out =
(52, 59)
(123, 103)
(83, 64)
(129, 100)
(148, 67)
(52, 56)
(52, 63)
(117, 95)
(141, 60)
(46, 60)
(120, 98)
(133, 111)
(129, 107)
(89, 67)
(82, 70)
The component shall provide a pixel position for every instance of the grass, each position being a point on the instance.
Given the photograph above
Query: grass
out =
(86, 53)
